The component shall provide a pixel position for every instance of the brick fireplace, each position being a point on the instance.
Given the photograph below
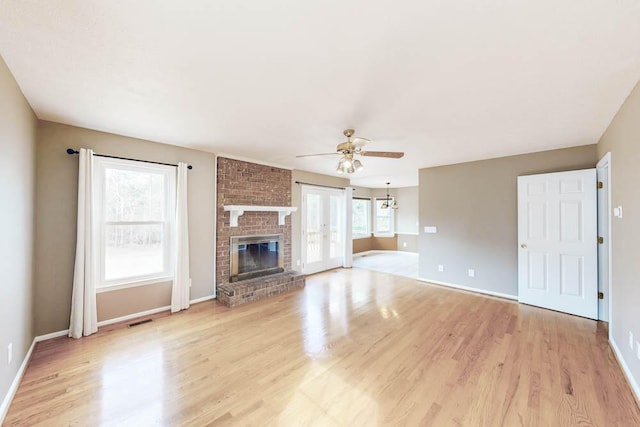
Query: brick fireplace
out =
(244, 183)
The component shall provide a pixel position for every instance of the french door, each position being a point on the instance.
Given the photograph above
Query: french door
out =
(557, 232)
(322, 228)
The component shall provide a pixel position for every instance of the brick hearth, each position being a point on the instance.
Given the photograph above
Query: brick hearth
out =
(244, 183)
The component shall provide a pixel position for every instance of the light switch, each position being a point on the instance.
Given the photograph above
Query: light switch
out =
(430, 229)
(617, 212)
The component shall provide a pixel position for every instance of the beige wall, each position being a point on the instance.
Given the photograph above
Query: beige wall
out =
(407, 219)
(17, 172)
(622, 139)
(56, 196)
(408, 242)
(474, 206)
(407, 213)
(296, 200)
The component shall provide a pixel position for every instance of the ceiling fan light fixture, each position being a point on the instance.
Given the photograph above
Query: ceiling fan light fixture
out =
(358, 166)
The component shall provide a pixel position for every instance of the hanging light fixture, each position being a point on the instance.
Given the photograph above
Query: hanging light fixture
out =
(348, 165)
(388, 202)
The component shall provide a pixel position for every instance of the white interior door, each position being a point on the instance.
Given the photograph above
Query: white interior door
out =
(557, 231)
(322, 228)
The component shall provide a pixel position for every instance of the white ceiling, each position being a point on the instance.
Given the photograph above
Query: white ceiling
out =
(445, 81)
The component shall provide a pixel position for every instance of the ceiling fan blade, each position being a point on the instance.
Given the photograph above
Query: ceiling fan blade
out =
(360, 142)
(319, 154)
(388, 154)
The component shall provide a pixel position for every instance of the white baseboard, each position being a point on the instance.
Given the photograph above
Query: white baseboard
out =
(203, 299)
(6, 402)
(625, 369)
(52, 335)
(122, 318)
(149, 312)
(133, 316)
(470, 289)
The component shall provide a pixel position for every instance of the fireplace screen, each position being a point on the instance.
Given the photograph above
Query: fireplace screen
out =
(254, 256)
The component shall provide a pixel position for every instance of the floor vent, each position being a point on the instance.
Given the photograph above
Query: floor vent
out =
(142, 322)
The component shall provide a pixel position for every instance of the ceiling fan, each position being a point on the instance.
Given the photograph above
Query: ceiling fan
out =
(351, 147)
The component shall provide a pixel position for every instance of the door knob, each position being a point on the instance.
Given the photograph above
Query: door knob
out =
(523, 246)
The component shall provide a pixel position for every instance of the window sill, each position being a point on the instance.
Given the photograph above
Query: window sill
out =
(384, 234)
(127, 285)
(360, 236)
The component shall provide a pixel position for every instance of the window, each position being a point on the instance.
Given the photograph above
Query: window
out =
(135, 205)
(361, 218)
(383, 219)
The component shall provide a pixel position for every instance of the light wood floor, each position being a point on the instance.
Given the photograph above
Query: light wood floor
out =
(355, 347)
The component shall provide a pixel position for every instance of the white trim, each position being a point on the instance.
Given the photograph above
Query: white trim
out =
(635, 389)
(606, 161)
(203, 299)
(65, 332)
(133, 316)
(52, 335)
(102, 164)
(470, 289)
(407, 234)
(250, 160)
(134, 284)
(360, 236)
(392, 216)
(239, 210)
(149, 312)
(215, 226)
(369, 221)
(8, 398)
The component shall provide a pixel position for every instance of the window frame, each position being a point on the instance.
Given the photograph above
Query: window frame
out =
(101, 164)
(392, 228)
(368, 232)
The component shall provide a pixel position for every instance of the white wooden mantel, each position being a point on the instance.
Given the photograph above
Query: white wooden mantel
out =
(238, 210)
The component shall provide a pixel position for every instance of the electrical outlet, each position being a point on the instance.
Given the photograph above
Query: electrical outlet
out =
(441, 268)
(631, 340)
(472, 272)
(298, 262)
(9, 353)
(404, 244)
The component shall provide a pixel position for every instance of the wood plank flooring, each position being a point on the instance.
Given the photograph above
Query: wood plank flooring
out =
(355, 347)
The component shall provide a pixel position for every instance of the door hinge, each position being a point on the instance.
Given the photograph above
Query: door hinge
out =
(600, 295)
(601, 240)
(600, 185)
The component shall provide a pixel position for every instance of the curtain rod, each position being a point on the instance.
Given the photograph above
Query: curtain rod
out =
(319, 185)
(72, 151)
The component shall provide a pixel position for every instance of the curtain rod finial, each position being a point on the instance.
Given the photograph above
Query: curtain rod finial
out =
(189, 167)
(72, 151)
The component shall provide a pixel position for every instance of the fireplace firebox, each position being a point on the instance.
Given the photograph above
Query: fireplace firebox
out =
(254, 256)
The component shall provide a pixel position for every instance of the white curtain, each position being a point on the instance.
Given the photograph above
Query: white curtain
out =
(84, 317)
(181, 279)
